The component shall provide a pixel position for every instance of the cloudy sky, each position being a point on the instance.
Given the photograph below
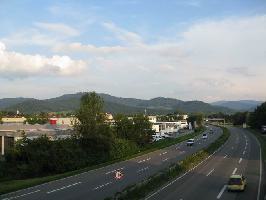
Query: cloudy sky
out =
(187, 49)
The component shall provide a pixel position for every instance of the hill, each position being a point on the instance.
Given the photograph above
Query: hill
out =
(112, 104)
(241, 105)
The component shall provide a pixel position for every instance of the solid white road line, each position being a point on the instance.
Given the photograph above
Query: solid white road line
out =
(64, 187)
(114, 170)
(240, 160)
(23, 195)
(221, 192)
(210, 172)
(258, 195)
(171, 183)
(234, 171)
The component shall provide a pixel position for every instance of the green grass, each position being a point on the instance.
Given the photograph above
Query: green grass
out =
(262, 140)
(142, 189)
(14, 185)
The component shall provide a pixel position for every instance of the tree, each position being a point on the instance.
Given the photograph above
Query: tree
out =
(197, 117)
(239, 118)
(258, 118)
(90, 115)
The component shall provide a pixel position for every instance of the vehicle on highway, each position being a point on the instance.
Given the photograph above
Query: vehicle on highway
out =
(156, 138)
(263, 129)
(236, 183)
(204, 136)
(211, 131)
(190, 142)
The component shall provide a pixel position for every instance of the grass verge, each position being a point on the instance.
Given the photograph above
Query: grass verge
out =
(14, 185)
(142, 189)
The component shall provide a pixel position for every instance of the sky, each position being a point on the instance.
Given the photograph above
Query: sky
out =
(206, 50)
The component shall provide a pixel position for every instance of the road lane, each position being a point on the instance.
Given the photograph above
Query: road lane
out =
(223, 163)
(100, 183)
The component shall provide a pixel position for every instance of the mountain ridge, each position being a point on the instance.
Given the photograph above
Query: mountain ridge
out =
(112, 104)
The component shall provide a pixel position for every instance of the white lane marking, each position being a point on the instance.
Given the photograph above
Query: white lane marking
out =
(164, 160)
(225, 156)
(64, 187)
(22, 195)
(141, 161)
(232, 147)
(244, 152)
(234, 171)
(240, 160)
(221, 192)
(258, 195)
(210, 172)
(163, 153)
(103, 185)
(143, 169)
(114, 170)
(171, 183)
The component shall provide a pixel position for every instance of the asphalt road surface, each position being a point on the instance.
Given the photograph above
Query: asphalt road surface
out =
(240, 155)
(101, 183)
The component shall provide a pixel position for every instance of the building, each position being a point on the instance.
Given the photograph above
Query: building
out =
(13, 120)
(7, 140)
(70, 121)
(152, 119)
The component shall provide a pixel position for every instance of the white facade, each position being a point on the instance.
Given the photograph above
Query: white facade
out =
(152, 119)
(15, 120)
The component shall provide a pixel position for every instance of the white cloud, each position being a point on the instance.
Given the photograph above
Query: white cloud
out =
(218, 57)
(130, 38)
(212, 60)
(16, 65)
(60, 28)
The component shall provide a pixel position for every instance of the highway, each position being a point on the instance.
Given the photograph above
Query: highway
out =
(100, 183)
(240, 155)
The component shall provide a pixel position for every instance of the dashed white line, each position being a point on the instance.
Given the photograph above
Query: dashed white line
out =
(240, 160)
(225, 156)
(164, 160)
(64, 187)
(244, 152)
(234, 171)
(210, 172)
(22, 195)
(143, 169)
(141, 161)
(221, 192)
(163, 153)
(114, 170)
(103, 185)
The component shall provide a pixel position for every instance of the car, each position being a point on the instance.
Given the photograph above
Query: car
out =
(236, 183)
(190, 142)
(156, 138)
(204, 136)
(263, 129)
(211, 131)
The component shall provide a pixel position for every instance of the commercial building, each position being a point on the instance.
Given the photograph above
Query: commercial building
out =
(13, 120)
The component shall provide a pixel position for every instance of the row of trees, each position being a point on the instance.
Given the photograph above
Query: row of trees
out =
(255, 119)
(93, 142)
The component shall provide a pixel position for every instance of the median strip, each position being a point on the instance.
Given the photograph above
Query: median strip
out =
(179, 170)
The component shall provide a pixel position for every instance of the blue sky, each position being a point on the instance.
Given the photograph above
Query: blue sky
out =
(187, 49)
